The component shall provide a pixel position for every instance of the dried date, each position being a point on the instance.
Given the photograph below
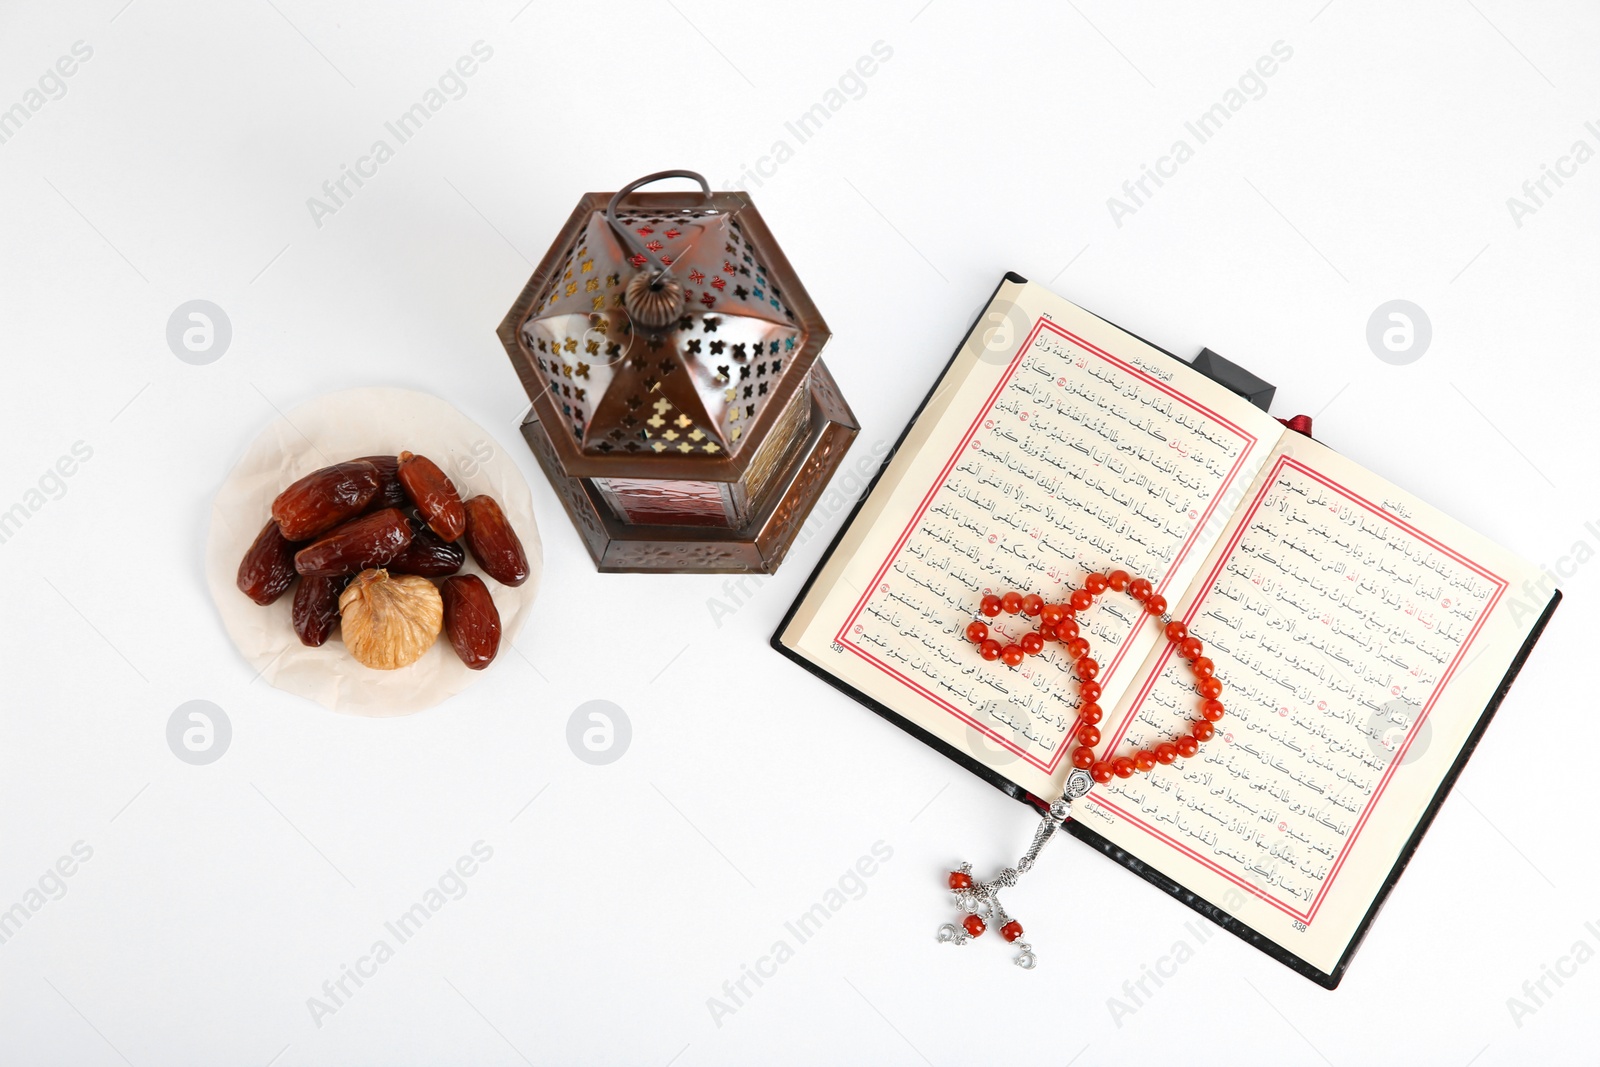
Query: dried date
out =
(494, 544)
(431, 490)
(267, 569)
(370, 541)
(325, 498)
(391, 494)
(428, 556)
(471, 620)
(316, 608)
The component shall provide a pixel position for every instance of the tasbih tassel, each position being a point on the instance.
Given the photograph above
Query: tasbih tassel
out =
(981, 900)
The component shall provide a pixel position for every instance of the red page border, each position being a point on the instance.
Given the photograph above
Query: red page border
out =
(842, 638)
(1411, 735)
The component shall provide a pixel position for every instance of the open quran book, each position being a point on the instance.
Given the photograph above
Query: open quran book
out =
(1363, 638)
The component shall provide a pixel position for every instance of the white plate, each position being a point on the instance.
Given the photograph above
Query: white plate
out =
(332, 429)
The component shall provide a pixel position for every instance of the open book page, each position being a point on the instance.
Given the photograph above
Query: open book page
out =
(1358, 634)
(1055, 445)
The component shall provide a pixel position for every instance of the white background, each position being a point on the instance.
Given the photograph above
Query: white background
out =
(220, 898)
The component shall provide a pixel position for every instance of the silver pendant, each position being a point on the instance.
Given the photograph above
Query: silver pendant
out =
(981, 900)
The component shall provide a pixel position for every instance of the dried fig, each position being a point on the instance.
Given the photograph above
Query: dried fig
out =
(431, 490)
(428, 555)
(325, 498)
(471, 620)
(389, 622)
(391, 494)
(494, 543)
(267, 569)
(370, 541)
(316, 608)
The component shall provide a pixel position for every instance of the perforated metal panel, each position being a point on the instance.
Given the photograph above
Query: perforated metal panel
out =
(691, 387)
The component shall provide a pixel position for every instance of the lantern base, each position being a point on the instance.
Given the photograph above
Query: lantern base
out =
(757, 548)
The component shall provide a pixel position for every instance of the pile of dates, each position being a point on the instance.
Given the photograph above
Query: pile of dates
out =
(365, 540)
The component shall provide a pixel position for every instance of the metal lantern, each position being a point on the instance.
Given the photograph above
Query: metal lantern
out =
(679, 407)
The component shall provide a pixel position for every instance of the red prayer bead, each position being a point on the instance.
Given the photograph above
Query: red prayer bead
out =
(960, 880)
(1057, 622)
(1011, 930)
(975, 926)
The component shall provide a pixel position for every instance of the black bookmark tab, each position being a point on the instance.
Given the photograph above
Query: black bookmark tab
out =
(1235, 378)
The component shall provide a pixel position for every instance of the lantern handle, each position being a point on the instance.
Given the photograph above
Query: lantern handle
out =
(629, 239)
